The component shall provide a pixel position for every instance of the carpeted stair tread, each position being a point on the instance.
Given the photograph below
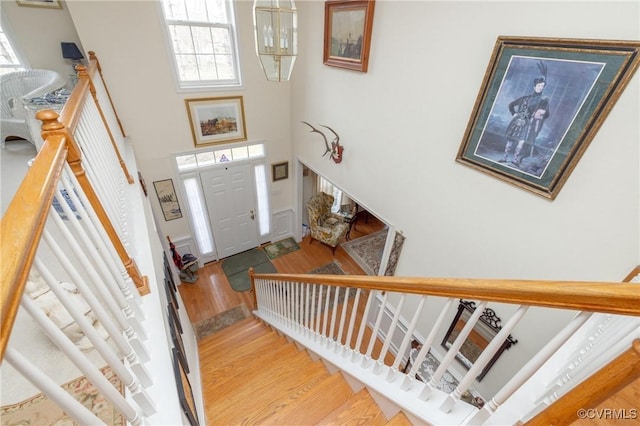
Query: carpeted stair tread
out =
(312, 405)
(359, 409)
(235, 331)
(265, 386)
(399, 419)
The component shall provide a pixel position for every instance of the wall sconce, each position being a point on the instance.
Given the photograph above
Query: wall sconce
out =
(275, 23)
(71, 51)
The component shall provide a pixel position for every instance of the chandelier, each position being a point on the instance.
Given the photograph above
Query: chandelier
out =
(275, 24)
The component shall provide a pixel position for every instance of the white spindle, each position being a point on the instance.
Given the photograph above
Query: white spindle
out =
(387, 341)
(98, 341)
(334, 313)
(326, 313)
(107, 321)
(343, 318)
(483, 359)
(352, 322)
(529, 369)
(318, 303)
(106, 252)
(51, 389)
(93, 266)
(363, 325)
(311, 306)
(374, 332)
(453, 351)
(426, 345)
(406, 340)
(81, 361)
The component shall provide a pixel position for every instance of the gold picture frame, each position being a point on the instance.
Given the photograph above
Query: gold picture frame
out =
(216, 120)
(49, 4)
(347, 33)
(541, 103)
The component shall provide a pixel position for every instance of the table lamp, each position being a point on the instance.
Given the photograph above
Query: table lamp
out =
(71, 51)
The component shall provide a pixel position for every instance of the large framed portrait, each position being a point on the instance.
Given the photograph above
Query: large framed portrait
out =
(216, 120)
(50, 4)
(541, 103)
(347, 33)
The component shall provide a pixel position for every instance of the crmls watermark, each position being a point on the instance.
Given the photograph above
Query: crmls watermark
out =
(608, 413)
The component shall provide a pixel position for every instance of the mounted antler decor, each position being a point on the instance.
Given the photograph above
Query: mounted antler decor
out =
(335, 150)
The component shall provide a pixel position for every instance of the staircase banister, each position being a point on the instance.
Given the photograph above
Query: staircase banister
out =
(72, 110)
(22, 225)
(604, 297)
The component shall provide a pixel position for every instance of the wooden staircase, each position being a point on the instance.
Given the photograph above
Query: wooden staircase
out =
(253, 376)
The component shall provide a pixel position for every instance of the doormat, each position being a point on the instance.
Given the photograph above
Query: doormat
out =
(223, 320)
(40, 410)
(281, 247)
(236, 268)
(367, 251)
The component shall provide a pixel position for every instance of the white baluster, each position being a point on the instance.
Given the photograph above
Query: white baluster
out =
(452, 352)
(343, 318)
(374, 332)
(51, 389)
(363, 325)
(352, 321)
(407, 339)
(377, 369)
(81, 361)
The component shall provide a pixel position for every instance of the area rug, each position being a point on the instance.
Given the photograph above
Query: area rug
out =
(40, 410)
(236, 268)
(332, 268)
(367, 251)
(279, 248)
(223, 320)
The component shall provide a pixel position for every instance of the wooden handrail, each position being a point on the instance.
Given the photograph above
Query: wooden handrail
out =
(94, 59)
(614, 298)
(21, 228)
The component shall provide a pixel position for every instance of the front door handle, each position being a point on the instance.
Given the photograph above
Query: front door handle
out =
(253, 216)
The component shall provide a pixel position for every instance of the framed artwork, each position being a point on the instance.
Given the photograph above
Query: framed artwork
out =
(168, 199)
(541, 103)
(216, 120)
(142, 184)
(347, 33)
(185, 392)
(51, 4)
(173, 313)
(280, 171)
(176, 338)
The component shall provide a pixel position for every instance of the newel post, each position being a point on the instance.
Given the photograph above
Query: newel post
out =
(253, 287)
(51, 126)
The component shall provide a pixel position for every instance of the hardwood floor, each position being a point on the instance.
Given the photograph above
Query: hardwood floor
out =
(211, 294)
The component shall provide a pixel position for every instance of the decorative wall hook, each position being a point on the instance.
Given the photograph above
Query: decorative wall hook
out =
(335, 150)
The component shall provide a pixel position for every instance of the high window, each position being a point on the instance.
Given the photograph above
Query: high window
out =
(203, 40)
(9, 60)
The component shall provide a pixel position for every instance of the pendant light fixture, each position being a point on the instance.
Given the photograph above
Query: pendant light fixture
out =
(275, 25)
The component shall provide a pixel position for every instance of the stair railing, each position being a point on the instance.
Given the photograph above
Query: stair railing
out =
(372, 338)
(63, 241)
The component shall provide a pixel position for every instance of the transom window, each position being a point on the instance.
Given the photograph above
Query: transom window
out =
(203, 39)
(200, 159)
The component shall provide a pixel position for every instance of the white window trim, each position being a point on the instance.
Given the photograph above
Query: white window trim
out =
(8, 30)
(195, 87)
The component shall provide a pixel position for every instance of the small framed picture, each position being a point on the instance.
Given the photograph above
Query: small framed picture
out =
(168, 199)
(216, 120)
(347, 33)
(280, 171)
(50, 4)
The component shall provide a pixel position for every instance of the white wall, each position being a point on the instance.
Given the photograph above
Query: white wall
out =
(37, 33)
(128, 38)
(402, 124)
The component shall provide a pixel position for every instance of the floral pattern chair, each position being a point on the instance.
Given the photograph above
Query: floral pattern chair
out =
(325, 226)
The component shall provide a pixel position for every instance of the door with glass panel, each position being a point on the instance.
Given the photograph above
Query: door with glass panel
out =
(230, 196)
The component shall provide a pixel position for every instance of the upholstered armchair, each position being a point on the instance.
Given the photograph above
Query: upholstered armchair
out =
(16, 89)
(325, 226)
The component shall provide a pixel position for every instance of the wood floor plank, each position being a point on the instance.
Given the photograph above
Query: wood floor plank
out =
(314, 404)
(360, 409)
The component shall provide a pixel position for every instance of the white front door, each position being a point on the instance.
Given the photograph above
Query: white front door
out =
(230, 194)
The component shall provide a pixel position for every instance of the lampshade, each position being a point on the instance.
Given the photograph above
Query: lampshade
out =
(275, 24)
(70, 51)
